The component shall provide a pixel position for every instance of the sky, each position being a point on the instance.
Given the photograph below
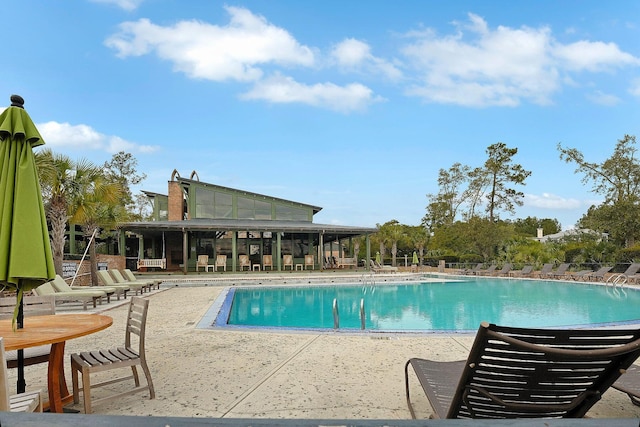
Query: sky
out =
(353, 106)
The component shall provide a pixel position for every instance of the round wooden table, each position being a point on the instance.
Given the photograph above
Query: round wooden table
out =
(55, 330)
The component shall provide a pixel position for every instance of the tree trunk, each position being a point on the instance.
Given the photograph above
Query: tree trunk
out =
(58, 220)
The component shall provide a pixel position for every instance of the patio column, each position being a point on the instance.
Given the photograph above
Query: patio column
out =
(279, 250)
(185, 254)
(321, 245)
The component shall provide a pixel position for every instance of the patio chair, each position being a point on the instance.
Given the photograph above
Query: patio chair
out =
(545, 271)
(203, 261)
(221, 261)
(526, 271)
(267, 261)
(31, 306)
(525, 373)
(30, 401)
(287, 261)
(309, 262)
(244, 262)
(130, 277)
(560, 272)
(107, 280)
(86, 363)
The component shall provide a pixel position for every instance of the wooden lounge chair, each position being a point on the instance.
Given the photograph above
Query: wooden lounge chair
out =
(83, 297)
(61, 286)
(598, 275)
(110, 278)
(525, 373)
(86, 363)
(526, 271)
(31, 306)
(471, 271)
(118, 277)
(107, 280)
(560, 272)
(545, 271)
(30, 401)
(504, 270)
(287, 261)
(377, 268)
(630, 383)
(130, 277)
(630, 274)
(221, 261)
(579, 275)
(488, 271)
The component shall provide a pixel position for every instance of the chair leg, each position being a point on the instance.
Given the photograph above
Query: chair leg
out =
(86, 391)
(74, 382)
(147, 373)
(136, 379)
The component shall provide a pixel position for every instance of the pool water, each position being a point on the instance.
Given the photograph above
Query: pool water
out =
(435, 306)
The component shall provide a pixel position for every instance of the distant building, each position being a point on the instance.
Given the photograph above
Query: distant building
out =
(198, 218)
(568, 233)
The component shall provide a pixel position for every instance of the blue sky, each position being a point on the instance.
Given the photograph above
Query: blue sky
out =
(353, 106)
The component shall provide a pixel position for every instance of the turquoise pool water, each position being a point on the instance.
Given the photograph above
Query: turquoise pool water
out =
(441, 306)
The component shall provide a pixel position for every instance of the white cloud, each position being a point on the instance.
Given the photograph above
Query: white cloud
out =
(480, 66)
(599, 97)
(634, 88)
(83, 137)
(555, 202)
(237, 51)
(592, 56)
(284, 90)
(351, 54)
(128, 5)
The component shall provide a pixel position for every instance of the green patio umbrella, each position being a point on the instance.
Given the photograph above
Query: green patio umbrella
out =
(415, 258)
(25, 251)
(378, 260)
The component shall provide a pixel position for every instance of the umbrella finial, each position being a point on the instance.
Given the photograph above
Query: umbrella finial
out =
(17, 101)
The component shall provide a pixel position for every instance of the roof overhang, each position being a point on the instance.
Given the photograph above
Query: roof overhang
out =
(245, 225)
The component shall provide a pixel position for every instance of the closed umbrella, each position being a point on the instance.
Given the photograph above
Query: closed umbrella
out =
(25, 251)
(378, 260)
(415, 258)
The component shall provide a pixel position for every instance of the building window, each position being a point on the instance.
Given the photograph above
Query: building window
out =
(290, 213)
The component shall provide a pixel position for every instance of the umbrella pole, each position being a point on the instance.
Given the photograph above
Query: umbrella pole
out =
(22, 385)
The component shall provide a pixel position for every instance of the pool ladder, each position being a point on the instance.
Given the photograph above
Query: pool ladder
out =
(617, 280)
(336, 314)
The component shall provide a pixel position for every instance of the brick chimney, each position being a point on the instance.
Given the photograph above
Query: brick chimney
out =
(175, 199)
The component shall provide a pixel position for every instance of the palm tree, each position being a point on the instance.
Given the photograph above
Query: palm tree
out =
(59, 178)
(96, 206)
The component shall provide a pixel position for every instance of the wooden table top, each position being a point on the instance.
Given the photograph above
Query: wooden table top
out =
(42, 330)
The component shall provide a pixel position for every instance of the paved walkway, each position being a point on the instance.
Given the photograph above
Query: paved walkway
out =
(238, 374)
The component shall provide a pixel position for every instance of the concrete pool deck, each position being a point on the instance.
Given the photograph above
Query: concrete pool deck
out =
(248, 374)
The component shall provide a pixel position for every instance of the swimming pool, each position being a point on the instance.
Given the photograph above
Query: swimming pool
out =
(431, 306)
